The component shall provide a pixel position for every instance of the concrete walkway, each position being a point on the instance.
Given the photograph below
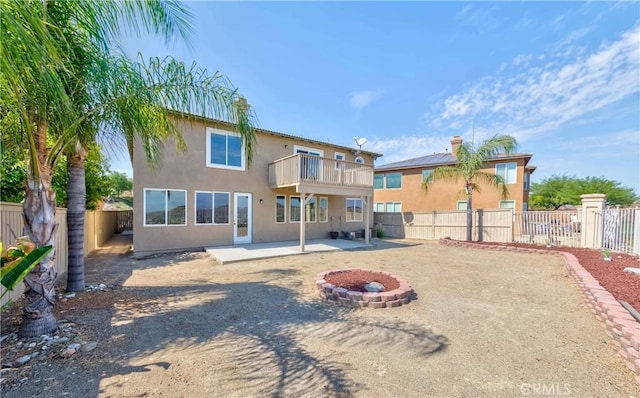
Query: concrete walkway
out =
(254, 251)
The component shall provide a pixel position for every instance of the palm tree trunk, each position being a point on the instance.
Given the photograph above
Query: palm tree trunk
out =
(469, 219)
(40, 225)
(76, 194)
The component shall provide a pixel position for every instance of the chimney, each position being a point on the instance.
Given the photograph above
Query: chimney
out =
(456, 141)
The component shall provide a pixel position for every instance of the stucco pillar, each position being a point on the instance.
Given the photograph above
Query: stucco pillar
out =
(591, 220)
(367, 230)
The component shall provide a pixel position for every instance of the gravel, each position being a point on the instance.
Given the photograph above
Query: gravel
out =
(483, 323)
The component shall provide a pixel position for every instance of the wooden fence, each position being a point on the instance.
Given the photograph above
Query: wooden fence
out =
(99, 226)
(495, 225)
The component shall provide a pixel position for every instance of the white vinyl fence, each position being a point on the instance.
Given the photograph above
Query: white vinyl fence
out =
(620, 229)
(559, 228)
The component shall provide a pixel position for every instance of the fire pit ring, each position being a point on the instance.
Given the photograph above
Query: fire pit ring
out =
(397, 295)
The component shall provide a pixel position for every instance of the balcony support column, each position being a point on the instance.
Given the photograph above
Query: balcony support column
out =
(365, 201)
(303, 222)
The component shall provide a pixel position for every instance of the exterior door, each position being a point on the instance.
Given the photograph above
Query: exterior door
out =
(242, 218)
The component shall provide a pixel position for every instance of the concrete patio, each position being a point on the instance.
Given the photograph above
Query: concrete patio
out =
(255, 251)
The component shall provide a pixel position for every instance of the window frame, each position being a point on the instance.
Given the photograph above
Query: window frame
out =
(504, 175)
(428, 171)
(166, 210)
(374, 180)
(326, 198)
(512, 201)
(291, 197)
(466, 204)
(284, 208)
(393, 205)
(213, 208)
(354, 212)
(375, 207)
(208, 163)
(338, 163)
(359, 160)
(386, 175)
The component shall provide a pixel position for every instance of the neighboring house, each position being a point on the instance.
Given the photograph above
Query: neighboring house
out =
(210, 196)
(398, 186)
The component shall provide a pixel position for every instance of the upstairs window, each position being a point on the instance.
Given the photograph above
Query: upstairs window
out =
(507, 204)
(461, 205)
(224, 150)
(393, 180)
(378, 181)
(426, 173)
(507, 171)
(388, 181)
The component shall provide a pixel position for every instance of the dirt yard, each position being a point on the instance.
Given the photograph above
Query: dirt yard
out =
(483, 323)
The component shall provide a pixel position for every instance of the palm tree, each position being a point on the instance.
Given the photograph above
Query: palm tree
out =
(57, 106)
(471, 162)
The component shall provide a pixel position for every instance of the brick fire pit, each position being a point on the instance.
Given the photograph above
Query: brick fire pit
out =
(346, 287)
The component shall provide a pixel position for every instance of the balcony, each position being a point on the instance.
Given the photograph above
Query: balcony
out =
(313, 174)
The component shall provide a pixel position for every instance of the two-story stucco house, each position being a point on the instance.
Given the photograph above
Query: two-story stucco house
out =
(398, 185)
(296, 188)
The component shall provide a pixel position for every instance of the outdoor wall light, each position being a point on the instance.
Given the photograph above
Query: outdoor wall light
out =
(286, 146)
(261, 201)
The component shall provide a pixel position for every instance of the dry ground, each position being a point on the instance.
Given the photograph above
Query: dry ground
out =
(483, 323)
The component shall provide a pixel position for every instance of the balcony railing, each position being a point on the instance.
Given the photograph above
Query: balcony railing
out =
(313, 170)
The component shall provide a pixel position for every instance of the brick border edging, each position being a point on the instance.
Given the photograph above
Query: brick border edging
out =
(620, 326)
(350, 298)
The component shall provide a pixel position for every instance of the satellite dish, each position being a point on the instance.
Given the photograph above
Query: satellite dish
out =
(360, 141)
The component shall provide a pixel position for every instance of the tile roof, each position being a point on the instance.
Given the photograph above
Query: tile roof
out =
(438, 159)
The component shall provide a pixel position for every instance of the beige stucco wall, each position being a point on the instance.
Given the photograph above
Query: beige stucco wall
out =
(444, 195)
(188, 171)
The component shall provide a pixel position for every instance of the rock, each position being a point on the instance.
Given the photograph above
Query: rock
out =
(61, 340)
(374, 287)
(102, 286)
(632, 270)
(32, 345)
(70, 295)
(7, 365)
(75, 346)
(88, 346)
(67, 353)
(21, 361)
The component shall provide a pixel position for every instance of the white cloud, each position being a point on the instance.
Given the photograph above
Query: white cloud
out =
(361, 99)
(408, 146)
(541, 97)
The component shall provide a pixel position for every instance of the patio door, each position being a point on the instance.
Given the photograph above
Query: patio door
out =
(241, 218)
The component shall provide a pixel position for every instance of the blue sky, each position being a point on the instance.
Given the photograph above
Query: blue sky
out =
(563, 78)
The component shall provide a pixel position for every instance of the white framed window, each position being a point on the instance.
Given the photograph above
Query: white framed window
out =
(426, 173)
(212, 208)
(393, 180)
(165, 207)
(224, 150)
(360, 160)
(526, 181)
(323, 209)
(339, 156)
(507, 171)
(294, 209)
(354, 210)
(311, 210)
(461, 205)
(378, 181)
(525, 206)
(281, 209)
(393, 207)
(507, 204)
(308, 150)
(379, 207)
